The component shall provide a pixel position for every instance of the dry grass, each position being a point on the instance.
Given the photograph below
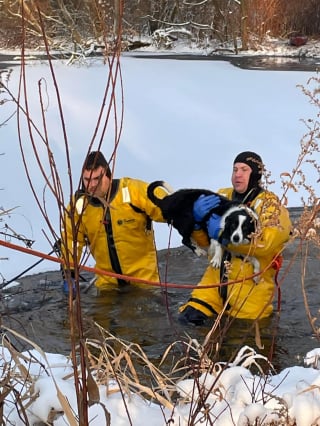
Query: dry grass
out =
(122, 367)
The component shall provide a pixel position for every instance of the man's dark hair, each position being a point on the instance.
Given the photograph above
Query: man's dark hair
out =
(94, 160)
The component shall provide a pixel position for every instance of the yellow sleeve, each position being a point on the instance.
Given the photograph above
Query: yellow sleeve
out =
(201, 238)
(140, 199)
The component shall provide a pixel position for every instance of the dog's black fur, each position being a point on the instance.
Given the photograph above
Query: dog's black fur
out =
(238, 222)
(177, 209)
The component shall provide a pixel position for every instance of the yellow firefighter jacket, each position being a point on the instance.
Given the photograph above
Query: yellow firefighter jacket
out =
(246, 298)
(120, 237)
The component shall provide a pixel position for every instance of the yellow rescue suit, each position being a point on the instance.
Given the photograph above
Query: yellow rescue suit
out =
(119, 233)
(246, 298)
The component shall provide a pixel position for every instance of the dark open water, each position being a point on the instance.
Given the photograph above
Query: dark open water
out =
(255, 62)
(148, 316)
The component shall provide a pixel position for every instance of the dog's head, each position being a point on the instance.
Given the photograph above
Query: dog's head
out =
(238, 224)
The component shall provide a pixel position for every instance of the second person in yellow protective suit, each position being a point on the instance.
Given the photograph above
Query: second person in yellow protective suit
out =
(113, 219)
(244, 299)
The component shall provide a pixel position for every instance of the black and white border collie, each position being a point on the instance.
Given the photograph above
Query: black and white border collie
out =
(238, 222)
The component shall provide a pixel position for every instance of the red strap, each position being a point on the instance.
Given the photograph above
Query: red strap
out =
(277, 262)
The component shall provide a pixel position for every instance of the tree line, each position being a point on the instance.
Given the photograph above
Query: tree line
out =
(77, 21)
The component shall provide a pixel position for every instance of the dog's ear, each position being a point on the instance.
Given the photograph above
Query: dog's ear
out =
(251, 224)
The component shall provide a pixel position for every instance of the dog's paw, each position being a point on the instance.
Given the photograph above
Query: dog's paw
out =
(256, 279)
(215, 253)
(215, 261)
(256, 269)
(200, 252)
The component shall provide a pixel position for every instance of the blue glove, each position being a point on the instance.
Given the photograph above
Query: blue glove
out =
(65, 288)
(213, 226)
(203, 205)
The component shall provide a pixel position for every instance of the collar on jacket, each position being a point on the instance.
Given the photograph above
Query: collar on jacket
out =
(248, 196)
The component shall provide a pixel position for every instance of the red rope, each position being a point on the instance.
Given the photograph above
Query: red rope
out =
(102, 272)
(115, 275)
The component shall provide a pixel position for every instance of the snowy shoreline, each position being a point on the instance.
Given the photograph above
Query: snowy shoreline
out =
(273, 56)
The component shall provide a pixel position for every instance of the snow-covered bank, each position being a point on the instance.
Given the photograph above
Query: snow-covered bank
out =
(230, 395)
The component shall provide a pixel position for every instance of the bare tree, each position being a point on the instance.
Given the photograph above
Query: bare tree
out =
(244, 24)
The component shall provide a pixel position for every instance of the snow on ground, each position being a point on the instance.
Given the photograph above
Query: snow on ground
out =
(269, 47)
(230, 396)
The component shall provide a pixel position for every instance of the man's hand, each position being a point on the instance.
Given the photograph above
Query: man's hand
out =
(65, 288)
(214, 226)
(203, 205)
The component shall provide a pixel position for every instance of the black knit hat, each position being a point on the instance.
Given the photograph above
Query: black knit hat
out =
(254, 161)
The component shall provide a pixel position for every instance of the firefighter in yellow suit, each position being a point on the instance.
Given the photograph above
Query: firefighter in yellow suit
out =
(113, 218)
(246, 298)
